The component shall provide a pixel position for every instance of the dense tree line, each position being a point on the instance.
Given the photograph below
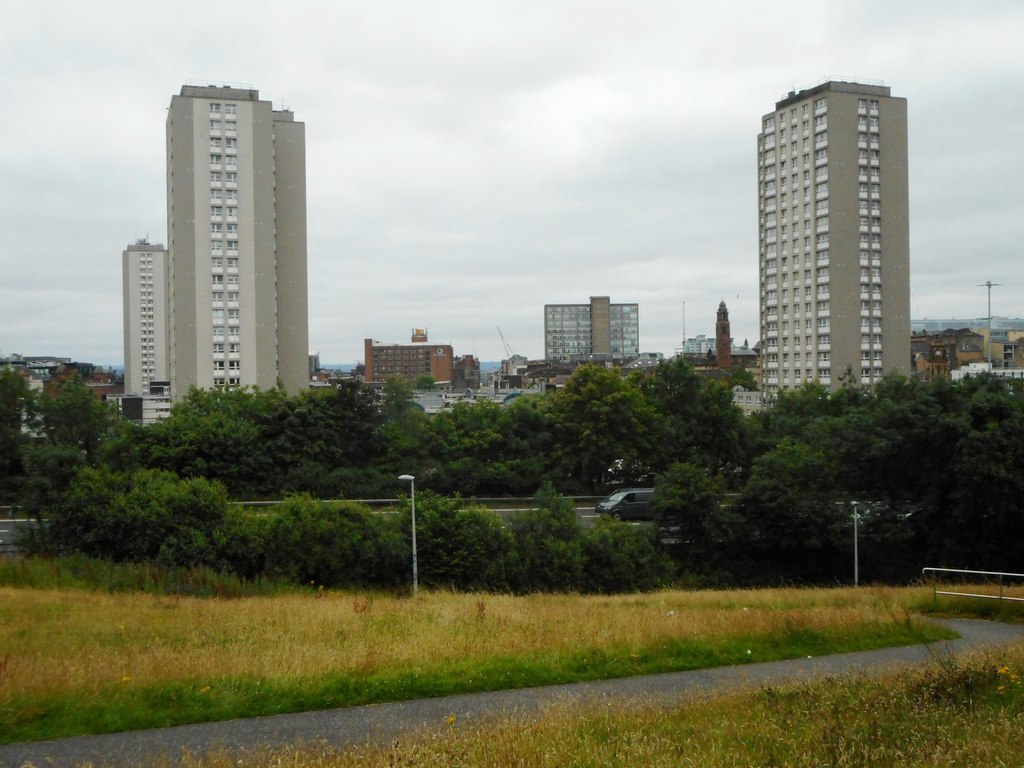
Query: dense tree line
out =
(933, 470)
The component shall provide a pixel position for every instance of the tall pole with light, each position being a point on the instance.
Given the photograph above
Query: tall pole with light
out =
(412, 497)
(988, 342)
(856, 556)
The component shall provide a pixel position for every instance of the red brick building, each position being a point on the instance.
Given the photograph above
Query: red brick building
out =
(407, 361)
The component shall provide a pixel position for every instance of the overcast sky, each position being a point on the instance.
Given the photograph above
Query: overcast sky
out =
(469, 162)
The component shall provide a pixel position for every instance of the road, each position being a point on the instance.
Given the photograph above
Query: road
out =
(10, 530)
(382, 723)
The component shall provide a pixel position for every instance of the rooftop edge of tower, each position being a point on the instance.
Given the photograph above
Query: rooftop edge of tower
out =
(840, 86)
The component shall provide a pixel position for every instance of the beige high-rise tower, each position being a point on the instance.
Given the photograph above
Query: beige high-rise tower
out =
(236, 220)
(144, 275)
(834, 244)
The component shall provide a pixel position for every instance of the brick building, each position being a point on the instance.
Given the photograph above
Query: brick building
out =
(407, 361)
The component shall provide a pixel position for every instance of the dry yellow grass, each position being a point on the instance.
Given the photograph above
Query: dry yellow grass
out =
(62, 642)
(952, 714)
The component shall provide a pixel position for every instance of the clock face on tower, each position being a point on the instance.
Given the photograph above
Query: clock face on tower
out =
(439, 352)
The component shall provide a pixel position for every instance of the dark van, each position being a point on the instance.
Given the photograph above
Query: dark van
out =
(628, 504)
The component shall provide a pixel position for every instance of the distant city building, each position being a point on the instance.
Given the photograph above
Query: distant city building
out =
(466, 373)
(698, 345)
(941, 324)
(575, 332)
(747, 401)
(976, 369)
(408, 361)
(938, 355)
(720, 358)
(833, 222)
(1004, 348)
(144, 277)
(236, 208)
(149, 407)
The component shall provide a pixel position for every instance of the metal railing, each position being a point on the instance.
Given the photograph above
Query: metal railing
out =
(10, 531)
(999, 579)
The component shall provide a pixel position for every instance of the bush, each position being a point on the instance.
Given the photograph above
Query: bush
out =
(334, 544)
(548, 554)
(460, 547)
(242, 541)
(149, 515)
(624, 558)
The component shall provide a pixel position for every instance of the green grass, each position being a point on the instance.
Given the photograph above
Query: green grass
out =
(956, 711)
(965, 607)
(128, 706)
(81, 572)
(87, 647)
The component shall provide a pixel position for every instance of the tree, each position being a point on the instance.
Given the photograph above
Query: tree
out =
(69, 415)
(15, 404)
(405, 431)
(601, 421)
(216, 434)
(791, 526)
(700, 424)
(68, 428)
(985, 510)
(742, 377)
(690, 520)
(548, 546)
(424, 381)
(325, 442)
(483, 448)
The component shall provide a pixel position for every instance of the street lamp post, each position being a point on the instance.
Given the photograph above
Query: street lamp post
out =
(412, 497)
(856, 557)
(988, 342)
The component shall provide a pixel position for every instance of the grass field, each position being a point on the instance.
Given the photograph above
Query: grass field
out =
(74, 661)
(965, 712)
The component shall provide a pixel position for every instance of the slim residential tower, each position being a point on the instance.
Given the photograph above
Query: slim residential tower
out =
(144, 275)
(833, 229)
(236, 213)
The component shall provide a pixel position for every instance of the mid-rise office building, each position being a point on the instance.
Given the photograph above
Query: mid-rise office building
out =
(236, 220)
(834, 248)
(408, 361)
(144, 275)
(574, 332)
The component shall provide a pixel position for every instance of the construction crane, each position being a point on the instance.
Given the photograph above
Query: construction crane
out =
(508, 349)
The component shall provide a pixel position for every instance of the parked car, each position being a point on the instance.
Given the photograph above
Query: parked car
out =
(628, 504)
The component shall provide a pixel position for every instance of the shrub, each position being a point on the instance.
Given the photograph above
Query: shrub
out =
(548, 554)
(620, 557)
(334, 544)
(242, 541)
(460, 546)
(146, 515)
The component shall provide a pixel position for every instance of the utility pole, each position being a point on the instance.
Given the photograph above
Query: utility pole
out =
(988, 342)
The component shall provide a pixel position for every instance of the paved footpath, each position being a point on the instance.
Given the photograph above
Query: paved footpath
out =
(383, 722)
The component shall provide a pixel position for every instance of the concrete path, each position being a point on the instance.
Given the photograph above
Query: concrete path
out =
(382, 722)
